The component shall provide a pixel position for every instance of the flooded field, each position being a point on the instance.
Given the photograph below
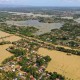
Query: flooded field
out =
(68, 66)
(67, 17)
(43, 27)
(30, 14)
(77, 20)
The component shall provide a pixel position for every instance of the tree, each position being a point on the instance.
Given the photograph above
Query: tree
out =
(18, 52)
(47, 58)
(40, 62)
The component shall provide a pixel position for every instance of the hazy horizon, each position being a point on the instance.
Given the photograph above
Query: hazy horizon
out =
(52, 3)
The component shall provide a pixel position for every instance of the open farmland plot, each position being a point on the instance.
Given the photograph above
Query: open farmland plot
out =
(4, 34)
(4, 53)
(69, 66)
(11, 38)
(8, 37)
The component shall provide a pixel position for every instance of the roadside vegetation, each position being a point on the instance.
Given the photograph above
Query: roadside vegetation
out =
(5, 42)
(55, 20)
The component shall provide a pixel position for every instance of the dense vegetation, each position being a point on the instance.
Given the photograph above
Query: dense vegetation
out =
(66, 35)
(27, 31)
(55, 20)
(18, 52)
(4, 16)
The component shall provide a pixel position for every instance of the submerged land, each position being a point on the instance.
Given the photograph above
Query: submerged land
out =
(39, 44)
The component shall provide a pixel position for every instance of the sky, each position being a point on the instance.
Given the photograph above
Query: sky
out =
(42, 2)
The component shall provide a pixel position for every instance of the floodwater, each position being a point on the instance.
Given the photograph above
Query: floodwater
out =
(43, 27)
(77, 20)
(30, 14)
